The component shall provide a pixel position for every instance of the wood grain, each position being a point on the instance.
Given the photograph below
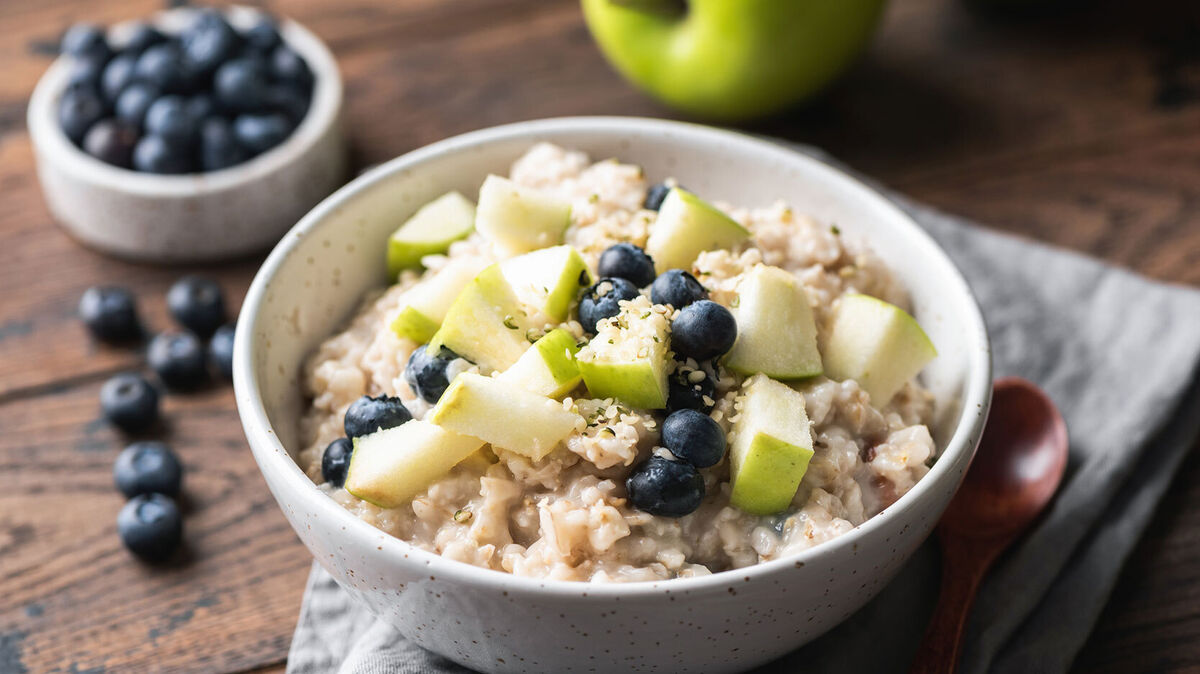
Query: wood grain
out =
(1081, 129)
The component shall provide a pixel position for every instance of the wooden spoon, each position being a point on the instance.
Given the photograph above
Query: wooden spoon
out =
(1015, 472)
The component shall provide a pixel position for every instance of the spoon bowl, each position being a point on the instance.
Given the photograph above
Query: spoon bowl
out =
(1017, 468)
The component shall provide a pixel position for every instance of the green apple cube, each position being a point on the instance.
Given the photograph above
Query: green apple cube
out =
(628, 357)
(504, 415)
(548, 368)
(548, 279)
(429, 231)
(876, 344)
(519, 219)
(772, 445)
(391, 466)
(687, 226)
(426, 303)
(776, 331)
(485, 324)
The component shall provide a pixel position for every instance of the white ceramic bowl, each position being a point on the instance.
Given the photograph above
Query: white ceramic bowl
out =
(198, 217)
(492, 621)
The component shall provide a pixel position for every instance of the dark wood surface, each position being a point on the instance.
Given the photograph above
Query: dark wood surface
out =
(1081, 130)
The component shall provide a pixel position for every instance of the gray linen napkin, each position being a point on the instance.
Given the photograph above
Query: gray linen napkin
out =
(1120, 356)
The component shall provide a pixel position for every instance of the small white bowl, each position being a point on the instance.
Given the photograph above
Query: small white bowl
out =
(492, 621)
(197, 217)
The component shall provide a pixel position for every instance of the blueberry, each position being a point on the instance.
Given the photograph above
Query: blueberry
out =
(150, 526)
(218, 147)
(85, 40)
(201, 107)
(241, 84)
(689, 393)
(262, 37)
(118, 74)
(154, 154)
(147, 468)
(703, 330)
(601, 301)
(86, 73)
(197, 304)
(208, 42)
(655, 196)
(288, 100)
(178, 359)
(663, 487)
(259, 133)
(110, 313)
(129, 402)
(288, 66)
(694, 437)
(335, 462)
(220, 350)
(677, 288)
(134, 101)
(169, 118)
(111, 141)
(427, 375)
(140, 37)
(627, 261)
(368, 415)
(163, 66)
(78, 109)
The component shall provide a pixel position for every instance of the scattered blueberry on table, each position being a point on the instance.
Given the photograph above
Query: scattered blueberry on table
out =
(201, 100)
(368, 415)
(677, 288)
(129, 402)
(627, 261)
(179, 359)
(150, 526)
(220, 350)
(148, 468)
(197, 304)
(602, 301)
(335, 462)
(110, 314)
(664, 487)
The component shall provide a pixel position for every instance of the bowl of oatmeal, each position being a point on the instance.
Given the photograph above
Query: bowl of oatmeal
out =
(563, 394)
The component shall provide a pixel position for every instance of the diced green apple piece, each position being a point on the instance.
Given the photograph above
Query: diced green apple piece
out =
(430, 230)
(504, 415)
(876, 344)
(391, 466)
(771, 448)
(627, 359)
(426, 303)
(519, 219)
(549, 279)
(776, 331)
(687, 226)
(548, 368)
(485, 324)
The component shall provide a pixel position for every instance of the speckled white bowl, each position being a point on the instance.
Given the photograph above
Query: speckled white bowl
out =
(198, 217)
(492, 621)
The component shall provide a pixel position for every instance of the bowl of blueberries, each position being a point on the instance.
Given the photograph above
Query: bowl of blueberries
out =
(197, 135)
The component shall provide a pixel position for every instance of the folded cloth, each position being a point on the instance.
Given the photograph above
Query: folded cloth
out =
(1118, 353)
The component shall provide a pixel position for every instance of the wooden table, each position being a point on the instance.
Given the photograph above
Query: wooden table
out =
(1082, 131)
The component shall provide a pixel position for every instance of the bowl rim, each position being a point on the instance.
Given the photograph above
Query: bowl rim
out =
(52, 144)
(271, 455)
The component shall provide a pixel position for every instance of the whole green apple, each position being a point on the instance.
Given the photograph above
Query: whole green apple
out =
(731, 59)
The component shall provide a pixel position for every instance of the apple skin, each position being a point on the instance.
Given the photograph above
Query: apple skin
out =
(730, 60)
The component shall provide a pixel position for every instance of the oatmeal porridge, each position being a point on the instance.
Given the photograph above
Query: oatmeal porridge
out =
(586, 376)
